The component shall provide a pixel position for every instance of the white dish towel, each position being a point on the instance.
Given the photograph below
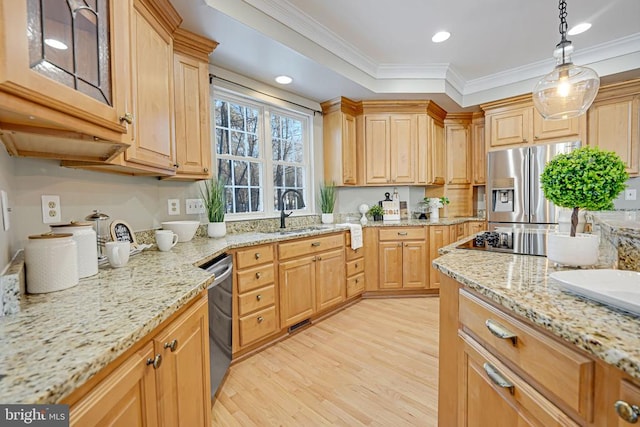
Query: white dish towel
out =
(356, 235)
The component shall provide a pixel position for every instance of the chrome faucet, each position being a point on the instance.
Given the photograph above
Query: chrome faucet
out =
(284, 215)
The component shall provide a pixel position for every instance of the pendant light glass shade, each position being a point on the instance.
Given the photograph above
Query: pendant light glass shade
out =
(569, 90)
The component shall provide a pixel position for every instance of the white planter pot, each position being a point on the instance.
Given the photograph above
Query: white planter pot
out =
(564, 221)
(434, 214)
(327, 218)
(579, 251)
(216, 229)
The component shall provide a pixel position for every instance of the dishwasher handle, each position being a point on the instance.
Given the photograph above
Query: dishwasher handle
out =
(221, 275)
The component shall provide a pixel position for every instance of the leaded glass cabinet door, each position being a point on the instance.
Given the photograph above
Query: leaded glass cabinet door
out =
(69, 57)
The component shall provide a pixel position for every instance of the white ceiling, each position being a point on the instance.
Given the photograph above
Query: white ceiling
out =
(365, 49)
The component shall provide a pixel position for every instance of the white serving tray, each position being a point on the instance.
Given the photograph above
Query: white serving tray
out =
(617, 288)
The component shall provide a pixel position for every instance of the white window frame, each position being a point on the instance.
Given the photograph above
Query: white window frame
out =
(266, 156)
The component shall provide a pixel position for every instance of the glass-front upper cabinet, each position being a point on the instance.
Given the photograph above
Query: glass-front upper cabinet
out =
(67, 64)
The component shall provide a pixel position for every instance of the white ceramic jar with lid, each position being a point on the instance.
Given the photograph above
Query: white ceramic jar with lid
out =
(51, 262)
(85, 238)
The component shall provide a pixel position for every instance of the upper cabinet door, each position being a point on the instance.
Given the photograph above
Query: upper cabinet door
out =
(403, 148)
(377, 148)
(510, 127)
(65, 65)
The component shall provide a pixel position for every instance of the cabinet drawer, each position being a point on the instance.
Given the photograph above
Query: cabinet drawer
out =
(491, 392)
(256, 300)
(355, 267)
(559, 370)
(355, 285)
(257, 326)
(255, 278)
(310, 245)
(402, 233)
(254, 256)
(354, 254)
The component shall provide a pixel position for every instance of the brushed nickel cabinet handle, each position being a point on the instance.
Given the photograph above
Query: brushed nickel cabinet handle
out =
(173, 345)
(259, 297)
(127, 118)
(176, 165)
(399, 244)
(316, 244)
(156, 361)
(500, 331)
(260, 319)
(356, 265)
(258, 275)
(206, 170)
(313, 259)
(627, 412)
(257, 255)
(402, 233)
(319, 258)
(497, 378)
(357, 280)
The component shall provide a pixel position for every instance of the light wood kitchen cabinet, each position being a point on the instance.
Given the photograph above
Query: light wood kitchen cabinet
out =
(192, 112)
(432, 165)
(341, 159)
(457, 232)
(614, 123)
(377, 136)
(355, 268)
(458, 148)
(48, 107)
(402, 258)
(474, 227)
(628, 394)
(515, 122)
(478, 150)
(439, 236)
(390, 147)
(164, 382)
(311, 277)
(256, 302)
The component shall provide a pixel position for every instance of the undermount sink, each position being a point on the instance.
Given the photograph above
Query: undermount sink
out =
(616, 288)
(289, 231)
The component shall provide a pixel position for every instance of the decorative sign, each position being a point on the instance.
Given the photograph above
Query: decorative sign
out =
(121, 231)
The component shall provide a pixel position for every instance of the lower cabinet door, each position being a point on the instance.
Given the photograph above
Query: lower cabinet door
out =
(414, 265)
(125, 398)
(297, 290)
(390, 259)
(330, 279)
(491, 395)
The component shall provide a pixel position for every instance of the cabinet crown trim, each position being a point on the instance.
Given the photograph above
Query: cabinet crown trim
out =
(193, 44)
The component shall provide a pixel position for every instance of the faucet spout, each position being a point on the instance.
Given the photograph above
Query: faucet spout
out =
(284, 215)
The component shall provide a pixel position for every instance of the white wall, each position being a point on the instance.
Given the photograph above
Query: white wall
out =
(6, 180)
(621, 203)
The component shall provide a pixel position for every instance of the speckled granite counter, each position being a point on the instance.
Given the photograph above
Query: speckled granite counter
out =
(57, 341)
(621, 231)
(522, 285)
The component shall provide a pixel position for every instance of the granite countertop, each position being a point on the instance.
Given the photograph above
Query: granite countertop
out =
(57, 341)
(522, 285)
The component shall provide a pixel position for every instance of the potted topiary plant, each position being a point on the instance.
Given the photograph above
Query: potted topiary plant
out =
(327, 201)
(376, 212)
(586, 178)
(214, 204)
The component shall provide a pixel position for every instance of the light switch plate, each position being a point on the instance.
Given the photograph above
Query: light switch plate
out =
(51, 210)
(630, 194)
(4, 205)
(173, 206)
(195, 206)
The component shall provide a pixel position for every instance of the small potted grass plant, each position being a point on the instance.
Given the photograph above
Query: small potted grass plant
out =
(214, 203)
(376, 212)
(586, 178)
(327, 201)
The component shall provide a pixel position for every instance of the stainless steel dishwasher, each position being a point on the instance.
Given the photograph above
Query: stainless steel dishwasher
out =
(220, 293)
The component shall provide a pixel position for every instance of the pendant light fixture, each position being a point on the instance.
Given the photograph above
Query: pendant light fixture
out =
(568, 90)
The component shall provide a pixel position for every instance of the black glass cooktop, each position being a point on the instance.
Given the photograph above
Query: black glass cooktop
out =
(513, 241)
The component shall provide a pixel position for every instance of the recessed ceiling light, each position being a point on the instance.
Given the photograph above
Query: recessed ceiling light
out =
(284, 80)
(580, 28)
(440, 36)
(56, 44)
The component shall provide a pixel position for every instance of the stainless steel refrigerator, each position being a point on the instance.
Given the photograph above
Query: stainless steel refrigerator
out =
(514, 193)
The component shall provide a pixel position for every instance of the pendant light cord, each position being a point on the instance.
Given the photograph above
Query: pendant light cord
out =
(562, 6)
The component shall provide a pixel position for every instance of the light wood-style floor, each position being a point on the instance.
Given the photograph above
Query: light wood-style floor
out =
(373, 364)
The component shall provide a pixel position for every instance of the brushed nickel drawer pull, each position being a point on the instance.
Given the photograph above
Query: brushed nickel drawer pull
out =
(258, 275)
(259, 297)
(500, 331)
(319, 258)
(257, 255)
(627, 412)
(173, 345)
(356, 265)
(357, 280)
(156, 361)
(260, 319)
(497, 378)
(316, 244)
(402, 233)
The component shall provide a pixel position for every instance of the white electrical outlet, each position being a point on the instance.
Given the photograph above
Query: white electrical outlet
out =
(630, 194)
(51, 210)
(195, 206)
(173, 205)
(4, 206)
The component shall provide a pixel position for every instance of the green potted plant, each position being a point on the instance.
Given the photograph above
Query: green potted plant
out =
(327, 201)
(376, 212)
(213, 195)
(586, 178)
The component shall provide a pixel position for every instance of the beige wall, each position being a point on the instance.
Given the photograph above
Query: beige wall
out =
(6, 179)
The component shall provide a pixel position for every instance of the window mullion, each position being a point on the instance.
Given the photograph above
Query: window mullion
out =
(269, 189)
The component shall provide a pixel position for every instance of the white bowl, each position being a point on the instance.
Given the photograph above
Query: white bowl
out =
(184, 229)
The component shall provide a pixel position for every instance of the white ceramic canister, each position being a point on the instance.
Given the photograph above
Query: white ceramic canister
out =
(51, 262)
(85, 237)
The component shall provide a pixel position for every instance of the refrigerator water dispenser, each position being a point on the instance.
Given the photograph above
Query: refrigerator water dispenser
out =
(502, 199)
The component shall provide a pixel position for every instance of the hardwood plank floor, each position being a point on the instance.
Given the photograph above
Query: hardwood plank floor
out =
(372, 364)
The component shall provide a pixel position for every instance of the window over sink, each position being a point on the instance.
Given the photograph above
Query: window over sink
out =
(261, 151)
